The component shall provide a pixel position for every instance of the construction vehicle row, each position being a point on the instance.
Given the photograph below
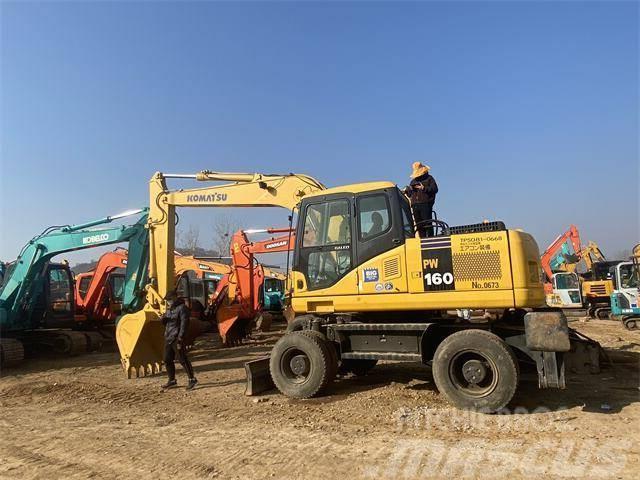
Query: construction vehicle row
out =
(358, 291)
(46, 304)
(366, 294)
(566, 287)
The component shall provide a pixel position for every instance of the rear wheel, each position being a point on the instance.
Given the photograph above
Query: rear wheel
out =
(300, 365)
(476, 370)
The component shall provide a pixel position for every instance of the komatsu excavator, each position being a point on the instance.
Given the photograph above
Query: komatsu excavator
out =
(37, 304)
(374, 290)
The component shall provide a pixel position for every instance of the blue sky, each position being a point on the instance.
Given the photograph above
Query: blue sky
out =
(526, 111)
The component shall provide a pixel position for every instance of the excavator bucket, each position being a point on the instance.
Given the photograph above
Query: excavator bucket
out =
(140, 338)
(231, 326)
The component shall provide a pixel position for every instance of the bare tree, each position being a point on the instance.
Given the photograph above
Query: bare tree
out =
(224, 227)
(189, 240)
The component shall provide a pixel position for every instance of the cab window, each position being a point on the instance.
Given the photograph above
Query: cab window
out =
(60, 290)
(374, 216)
(326, 243)
(117, 287)
(83, 287)
(327, 224)
(407, 219)
(629, 276)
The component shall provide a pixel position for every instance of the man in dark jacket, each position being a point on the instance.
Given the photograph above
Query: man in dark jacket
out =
(422, 192)
(176, 326)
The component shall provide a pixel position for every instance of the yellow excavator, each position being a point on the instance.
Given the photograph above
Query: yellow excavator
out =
(365, 287)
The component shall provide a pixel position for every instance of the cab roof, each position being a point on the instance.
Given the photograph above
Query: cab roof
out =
(353, 188)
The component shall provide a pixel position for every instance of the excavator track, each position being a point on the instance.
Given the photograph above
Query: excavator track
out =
(70, 343)
(65, 342)
(11, 352)
(94, 341)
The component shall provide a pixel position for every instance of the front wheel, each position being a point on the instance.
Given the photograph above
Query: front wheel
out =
(476, 370)
(300, 365)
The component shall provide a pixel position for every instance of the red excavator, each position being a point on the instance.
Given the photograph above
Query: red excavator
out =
(99, 293)
(243, 297)
(562, 284)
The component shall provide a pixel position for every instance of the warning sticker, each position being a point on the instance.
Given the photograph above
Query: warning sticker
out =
(371, 275)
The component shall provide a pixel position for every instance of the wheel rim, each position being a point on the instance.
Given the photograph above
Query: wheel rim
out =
(295, 365)
(473, 374)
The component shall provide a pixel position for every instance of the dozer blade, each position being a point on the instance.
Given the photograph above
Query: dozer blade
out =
(258, 377)
(140, 338)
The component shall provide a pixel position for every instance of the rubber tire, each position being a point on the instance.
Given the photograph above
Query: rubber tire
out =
(491, 346)
(331, 350)
(299, 323)
(320, 368)
(358, 367)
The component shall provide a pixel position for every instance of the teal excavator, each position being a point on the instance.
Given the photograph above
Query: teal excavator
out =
(37, 298)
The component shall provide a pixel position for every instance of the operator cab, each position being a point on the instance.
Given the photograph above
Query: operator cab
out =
(339, 231)
(197, 292)
(53, 298)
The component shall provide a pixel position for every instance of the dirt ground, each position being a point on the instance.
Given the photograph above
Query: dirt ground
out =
(80, 418)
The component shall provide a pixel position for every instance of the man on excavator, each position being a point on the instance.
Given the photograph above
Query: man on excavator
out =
(176, 326)
(422, 192)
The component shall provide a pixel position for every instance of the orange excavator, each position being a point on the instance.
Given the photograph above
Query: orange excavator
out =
(99, 293)
(250, 290)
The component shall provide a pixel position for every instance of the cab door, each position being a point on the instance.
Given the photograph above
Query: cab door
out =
(324, 255)
(59, 296)
(380, 242)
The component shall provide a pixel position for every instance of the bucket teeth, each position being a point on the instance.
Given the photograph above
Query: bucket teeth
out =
(138, 371)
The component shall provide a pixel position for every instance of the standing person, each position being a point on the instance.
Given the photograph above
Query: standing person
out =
(422, 193)
(176, 326)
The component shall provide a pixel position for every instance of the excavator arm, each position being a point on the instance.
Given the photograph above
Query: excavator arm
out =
(139, 335)
(558, 256)
(23, 278)
(246, 280)
(591, 254)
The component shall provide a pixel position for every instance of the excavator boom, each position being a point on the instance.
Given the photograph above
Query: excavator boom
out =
(139, 335)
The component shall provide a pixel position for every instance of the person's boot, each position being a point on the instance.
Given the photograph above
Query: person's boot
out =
(192, 384)
(170, 384)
